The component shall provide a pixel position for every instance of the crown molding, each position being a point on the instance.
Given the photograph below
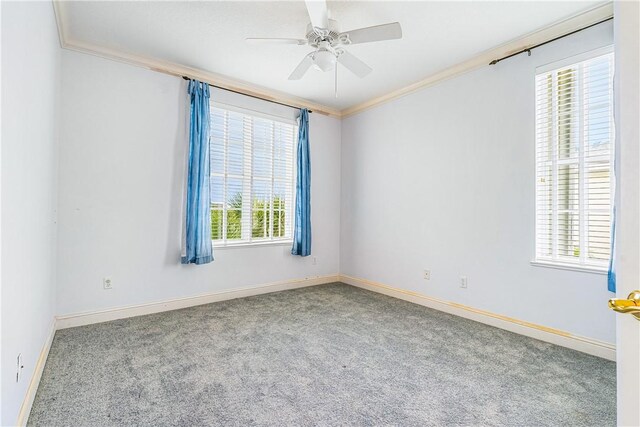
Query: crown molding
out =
(204, 76)
(175, 69)
(60, 22)
(552, 31)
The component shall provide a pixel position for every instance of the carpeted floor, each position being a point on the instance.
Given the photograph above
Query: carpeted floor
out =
(324, 355)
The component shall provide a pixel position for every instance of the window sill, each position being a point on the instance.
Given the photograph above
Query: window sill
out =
(252, 244)
(571, 267)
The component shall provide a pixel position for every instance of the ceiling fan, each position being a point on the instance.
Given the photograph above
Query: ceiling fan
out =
(323, 34)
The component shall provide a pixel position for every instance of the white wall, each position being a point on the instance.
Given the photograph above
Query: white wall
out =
(30, 70)
(122, 153)
(443, 179)
(627, 80)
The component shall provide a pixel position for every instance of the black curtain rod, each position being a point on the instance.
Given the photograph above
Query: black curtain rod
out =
(529, 49)
(252, 96)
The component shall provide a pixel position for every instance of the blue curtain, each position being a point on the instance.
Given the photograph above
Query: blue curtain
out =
(197, 239)
(611, 274)
(302, 230)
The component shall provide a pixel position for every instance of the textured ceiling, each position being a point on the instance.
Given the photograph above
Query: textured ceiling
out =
(210, 36)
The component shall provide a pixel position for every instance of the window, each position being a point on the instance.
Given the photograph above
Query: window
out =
(574, 152)
(251, 177)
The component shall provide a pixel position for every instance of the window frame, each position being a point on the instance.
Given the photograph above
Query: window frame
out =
(582, 264)
(247, 206)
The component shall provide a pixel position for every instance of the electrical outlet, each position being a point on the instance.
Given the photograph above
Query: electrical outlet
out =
(19, 367)
(426, 275)
(107, 283)
(463, 281)
(314, 261)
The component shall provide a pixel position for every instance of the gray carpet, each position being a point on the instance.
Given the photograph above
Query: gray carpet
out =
(324, 355)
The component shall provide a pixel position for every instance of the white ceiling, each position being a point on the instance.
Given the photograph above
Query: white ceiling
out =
(210, 36)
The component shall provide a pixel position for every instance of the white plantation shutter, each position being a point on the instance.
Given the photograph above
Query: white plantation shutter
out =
(574, 152)
(252, 158)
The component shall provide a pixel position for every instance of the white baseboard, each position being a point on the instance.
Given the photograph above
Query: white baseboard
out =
(80, 319)
(88, 318)
(542, 333)
(30, 396)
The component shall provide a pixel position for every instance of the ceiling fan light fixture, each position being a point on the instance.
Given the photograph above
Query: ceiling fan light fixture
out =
(324, 60)
(324, 35)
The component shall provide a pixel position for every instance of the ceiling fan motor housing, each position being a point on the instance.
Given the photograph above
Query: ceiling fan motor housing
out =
(330, 35)
(324, 36)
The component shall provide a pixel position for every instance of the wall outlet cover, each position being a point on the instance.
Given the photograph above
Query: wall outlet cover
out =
(463, 281)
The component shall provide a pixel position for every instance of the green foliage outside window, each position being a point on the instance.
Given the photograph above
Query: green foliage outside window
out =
(260, 221)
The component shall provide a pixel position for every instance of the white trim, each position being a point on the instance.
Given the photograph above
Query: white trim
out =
(60, 23)
(557, 29)
(178, 70)
(542, 333)
(253, 113)
(581, 57)
(542, 258)
(99, 316)
(554, 336)
(248, 178)
(571, 267)
(27, 403)
(282, 242)
(552, 31)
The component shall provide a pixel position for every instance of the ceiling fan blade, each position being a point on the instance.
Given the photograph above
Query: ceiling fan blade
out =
(302, 68)
(374, 34)
(318, 13)
(354, 65)
(254, 40)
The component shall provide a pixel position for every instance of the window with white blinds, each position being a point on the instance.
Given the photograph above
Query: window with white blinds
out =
(574, 153)
(252, 158)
